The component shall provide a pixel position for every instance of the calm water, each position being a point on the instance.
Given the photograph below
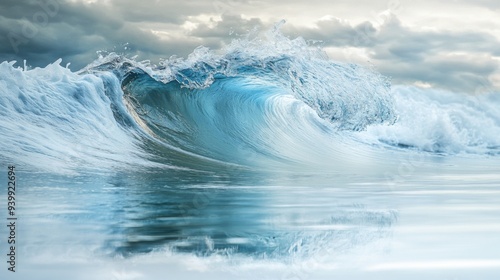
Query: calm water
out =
(438, 221)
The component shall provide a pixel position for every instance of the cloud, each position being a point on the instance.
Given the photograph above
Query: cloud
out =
(334, 31)
(160, 11)
(75, 31)
(490, 4)
(458, 60)
(42, 31)
(228, 25)
(217, 32)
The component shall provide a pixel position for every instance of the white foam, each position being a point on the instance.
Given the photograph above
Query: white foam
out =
(55, 120)
(441, 121)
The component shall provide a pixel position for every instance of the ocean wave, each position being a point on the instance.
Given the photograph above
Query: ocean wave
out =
(267, 101)
(442, 122)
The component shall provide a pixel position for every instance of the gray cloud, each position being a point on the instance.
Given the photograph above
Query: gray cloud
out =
(160, 11)
(335, 32)
(228, 25)
(459, 60)
(41, 33)
(75, 32)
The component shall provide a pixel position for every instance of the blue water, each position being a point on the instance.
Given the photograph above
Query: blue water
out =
(265, 160)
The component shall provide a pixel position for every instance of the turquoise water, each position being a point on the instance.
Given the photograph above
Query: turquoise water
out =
(440, 222)
(264, 161)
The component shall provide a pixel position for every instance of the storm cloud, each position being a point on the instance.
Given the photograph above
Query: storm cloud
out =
(397, 37)
(459, 60)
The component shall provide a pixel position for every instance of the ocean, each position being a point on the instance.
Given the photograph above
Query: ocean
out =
(265, 160)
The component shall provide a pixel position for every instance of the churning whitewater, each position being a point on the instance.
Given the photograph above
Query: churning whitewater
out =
(262, 102)
(265, 158)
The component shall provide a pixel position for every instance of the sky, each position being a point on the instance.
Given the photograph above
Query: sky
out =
(451, 44)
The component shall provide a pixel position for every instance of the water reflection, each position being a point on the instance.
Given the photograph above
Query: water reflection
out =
(238, 213)
(306, 223)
